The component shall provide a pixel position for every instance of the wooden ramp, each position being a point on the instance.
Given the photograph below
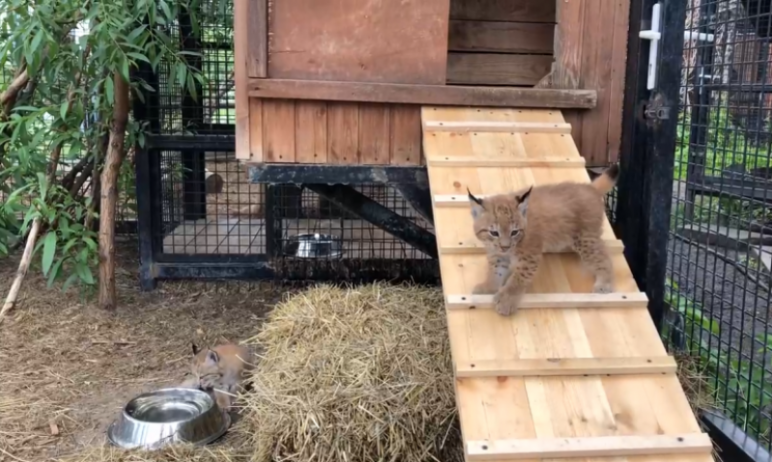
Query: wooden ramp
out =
(572, 374)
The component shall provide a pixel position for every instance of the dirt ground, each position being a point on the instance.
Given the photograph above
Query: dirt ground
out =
(67, 367)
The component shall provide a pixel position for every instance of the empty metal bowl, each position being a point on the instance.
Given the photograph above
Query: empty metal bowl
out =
(170, 415)
(314, 245)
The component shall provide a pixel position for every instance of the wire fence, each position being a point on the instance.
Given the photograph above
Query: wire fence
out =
(720, 247)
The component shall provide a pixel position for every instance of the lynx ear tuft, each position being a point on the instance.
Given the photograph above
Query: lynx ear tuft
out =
(523, 201)
(477, 204)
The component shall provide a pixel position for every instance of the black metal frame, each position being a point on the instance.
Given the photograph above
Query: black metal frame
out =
(646, 185)
(155, 265)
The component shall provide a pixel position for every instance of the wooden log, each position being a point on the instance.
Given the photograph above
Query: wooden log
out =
(26, 258)
(109, 196)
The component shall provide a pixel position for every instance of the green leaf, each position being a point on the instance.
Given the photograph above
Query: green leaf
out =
(109, 90)
(133, 35)
(166, 10)
(63, 109)
(125, 69)
(36, 41)
(70, 280)
(49, 250)
(138, 57)
(55, 272)
(85, 274)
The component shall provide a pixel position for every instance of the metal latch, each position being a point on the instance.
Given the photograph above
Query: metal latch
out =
(657, 112)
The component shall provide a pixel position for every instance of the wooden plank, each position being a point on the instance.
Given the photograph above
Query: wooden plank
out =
(474, 161)
(279, 130)
(497, 69)
(257, 38)
(543, 407)
(374, 129)
(494, 126)
(597, 63)
(617, 88)
(343, 133)
(596, 446)
(567, 366)
(553, 301)
(241, 77)
(420, 94)
(255, 130)
(503, 10)
(344, 40)
(310, 132)
(405, 135)
(569, 31)
(614, 246)
(502, 37)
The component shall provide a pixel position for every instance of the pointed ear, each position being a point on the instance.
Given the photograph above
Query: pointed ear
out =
(523, 201)
(477, 204)
(195, 348)
(212, 357)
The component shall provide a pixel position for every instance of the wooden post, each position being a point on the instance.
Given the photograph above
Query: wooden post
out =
(109, 196)
(566, 70)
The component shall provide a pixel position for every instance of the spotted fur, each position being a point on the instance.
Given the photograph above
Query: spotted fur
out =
(518, 228)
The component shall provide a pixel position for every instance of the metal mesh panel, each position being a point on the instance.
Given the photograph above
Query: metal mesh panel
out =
(212, 110)
(720, 250)
(219, 214)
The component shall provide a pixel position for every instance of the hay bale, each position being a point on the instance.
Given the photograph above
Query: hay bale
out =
(355, 375)
(173, 453)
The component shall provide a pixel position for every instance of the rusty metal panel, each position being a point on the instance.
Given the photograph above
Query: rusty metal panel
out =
(384, 41)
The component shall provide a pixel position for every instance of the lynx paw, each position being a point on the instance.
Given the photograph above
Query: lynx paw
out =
(506, 304)
(603, 287)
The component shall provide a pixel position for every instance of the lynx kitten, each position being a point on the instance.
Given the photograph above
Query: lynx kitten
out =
(221, 370)
(517, 228)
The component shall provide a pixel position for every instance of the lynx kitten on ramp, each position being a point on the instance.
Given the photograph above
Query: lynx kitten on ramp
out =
(517, 228)
(222, 370)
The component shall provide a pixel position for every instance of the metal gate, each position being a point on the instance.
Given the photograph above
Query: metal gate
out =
(694, 204)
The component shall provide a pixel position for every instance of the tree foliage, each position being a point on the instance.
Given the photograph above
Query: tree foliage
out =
(59, 60)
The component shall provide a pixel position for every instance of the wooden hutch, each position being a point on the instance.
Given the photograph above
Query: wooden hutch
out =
(342, 82)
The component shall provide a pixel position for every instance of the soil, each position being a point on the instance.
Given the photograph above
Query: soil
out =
(69, 366)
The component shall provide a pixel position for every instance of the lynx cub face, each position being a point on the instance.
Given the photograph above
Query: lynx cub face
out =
(222, 370)
(501, 224)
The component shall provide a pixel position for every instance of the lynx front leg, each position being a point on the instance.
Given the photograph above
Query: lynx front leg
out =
(497, 272)
(508, 298)
(594, 255)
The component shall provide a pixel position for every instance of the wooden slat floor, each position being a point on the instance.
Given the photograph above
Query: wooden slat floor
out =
(246, 236)
(510, 404)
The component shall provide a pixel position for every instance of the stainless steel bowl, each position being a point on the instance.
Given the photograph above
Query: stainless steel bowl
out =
(170, 415)
(314, 245)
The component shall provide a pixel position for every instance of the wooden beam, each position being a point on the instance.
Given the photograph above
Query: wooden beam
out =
(503, 10)
(497, 68)
(257, 38)
(554, 301)
(440, 95)
(509, 162)
(566, 70)
(615, 247)
(502, 37)
(241, 77)
(586, 447)
(496, 126)
(567, 366)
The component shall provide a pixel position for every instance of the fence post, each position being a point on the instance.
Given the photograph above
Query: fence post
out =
(648, 147)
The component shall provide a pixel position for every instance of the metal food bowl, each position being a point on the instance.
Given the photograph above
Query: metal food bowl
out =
(314, 245)
(170, 415)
